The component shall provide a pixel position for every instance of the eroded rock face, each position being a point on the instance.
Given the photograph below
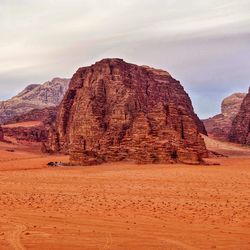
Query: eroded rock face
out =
(219, 126)
(117, 111)
(34, 96)
(240, 131)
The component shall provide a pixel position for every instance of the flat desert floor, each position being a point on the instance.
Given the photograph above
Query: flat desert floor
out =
(122, 206)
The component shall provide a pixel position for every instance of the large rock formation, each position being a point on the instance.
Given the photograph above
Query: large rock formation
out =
(240, 131)
(35, 96)
(220, 125)
(117, 111)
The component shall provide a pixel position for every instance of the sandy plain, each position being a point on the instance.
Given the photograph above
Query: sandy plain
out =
(123, 206)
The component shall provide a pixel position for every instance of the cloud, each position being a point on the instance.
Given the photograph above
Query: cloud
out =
(205, 44)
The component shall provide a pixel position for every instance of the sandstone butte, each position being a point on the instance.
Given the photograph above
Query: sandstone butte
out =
(220, 125)
(240, 131)
(115, 111)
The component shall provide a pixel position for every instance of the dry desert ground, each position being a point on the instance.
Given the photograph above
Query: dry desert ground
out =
(123, 206)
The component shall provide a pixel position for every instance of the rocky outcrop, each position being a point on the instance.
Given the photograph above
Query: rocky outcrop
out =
(44, 115)
(240, 131)
(219, 126)
(231, 105)
(116, 111)
(1, 134)
(33, 126)
(35, 96)
(28, 134)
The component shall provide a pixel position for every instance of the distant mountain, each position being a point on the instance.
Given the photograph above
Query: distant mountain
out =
(220, 125)
(34, 96)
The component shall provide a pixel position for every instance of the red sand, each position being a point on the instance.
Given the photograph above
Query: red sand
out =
(122, 206)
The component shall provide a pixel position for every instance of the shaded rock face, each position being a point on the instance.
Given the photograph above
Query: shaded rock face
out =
(219, 126)
(1, 134)
(35, 96)
(117, 111)
(240, 131)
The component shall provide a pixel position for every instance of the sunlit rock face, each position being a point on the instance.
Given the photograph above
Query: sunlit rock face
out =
(116, 111)
(220, 125)
(240, 131)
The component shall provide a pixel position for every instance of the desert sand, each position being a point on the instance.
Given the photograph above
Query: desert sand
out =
(123, 205)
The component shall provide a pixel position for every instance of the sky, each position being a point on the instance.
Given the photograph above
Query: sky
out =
(203, 43)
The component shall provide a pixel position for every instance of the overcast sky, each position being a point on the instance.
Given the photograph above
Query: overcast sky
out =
(203, 43)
